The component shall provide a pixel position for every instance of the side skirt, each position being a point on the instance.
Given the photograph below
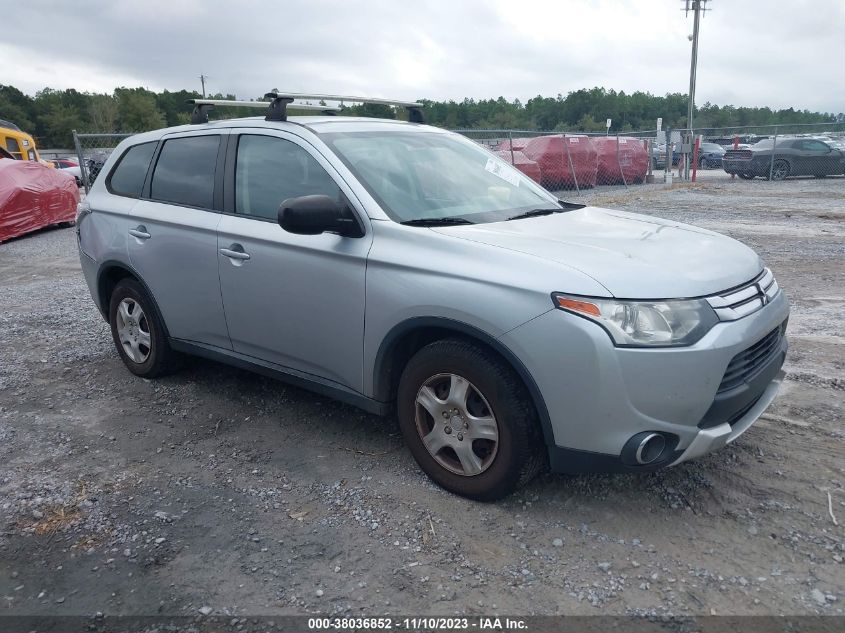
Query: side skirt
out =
(293, 377)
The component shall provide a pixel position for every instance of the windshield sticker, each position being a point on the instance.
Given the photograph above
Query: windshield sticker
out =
(499, 170)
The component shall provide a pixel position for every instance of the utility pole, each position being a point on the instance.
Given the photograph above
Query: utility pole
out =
(202, 79)
(697, 7)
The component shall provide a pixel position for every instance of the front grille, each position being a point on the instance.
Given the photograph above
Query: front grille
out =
(739, 302)
(745, 365)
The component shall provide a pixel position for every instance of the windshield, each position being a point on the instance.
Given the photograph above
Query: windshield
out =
(431, 176)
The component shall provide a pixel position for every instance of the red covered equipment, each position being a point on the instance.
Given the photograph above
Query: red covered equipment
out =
(631, 161)
(33, 196)
(517, 144)
(551, 154)
(524, 164)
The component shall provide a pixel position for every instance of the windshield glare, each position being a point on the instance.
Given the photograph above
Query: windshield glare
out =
(431, 175)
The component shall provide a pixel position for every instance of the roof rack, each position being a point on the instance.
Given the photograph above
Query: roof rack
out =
(279, 102)
(414, 108)
(202, 106)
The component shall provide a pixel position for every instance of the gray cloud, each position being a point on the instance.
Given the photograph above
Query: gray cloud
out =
(755, 52)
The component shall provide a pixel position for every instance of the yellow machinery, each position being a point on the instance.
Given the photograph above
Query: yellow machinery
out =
(17, 142)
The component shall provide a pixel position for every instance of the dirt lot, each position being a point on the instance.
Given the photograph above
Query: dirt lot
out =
(219, 490)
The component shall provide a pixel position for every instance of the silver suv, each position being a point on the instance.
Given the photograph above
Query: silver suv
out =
(402, 268)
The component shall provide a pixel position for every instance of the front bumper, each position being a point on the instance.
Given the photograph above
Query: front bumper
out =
(599, 396)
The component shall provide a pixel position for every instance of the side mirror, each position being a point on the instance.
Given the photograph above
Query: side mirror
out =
(313, 215)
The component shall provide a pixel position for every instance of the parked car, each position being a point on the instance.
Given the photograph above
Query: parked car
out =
(94, 163)
(710, 155)
(658, 155)
(625, 163)
(792, 157)
(508, 330)
(524, 164)
(70, 167)
(566, 161)
(33, 196)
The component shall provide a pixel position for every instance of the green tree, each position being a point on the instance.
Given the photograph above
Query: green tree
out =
(137, 110)
(103, 111)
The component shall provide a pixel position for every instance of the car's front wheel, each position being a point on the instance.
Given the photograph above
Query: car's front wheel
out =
(138, 332)
(780, 170)
(468, 420)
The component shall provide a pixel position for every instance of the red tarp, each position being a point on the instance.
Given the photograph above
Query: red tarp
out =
(33, 196)
(554, 160)
(517, 143)
(632, 160)
(524, 164)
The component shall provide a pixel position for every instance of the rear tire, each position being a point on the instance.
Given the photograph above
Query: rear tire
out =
(482, 433)
(138, 332)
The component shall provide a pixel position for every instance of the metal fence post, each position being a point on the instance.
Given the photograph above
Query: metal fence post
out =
(772, 162)
(667, 166)
(510, 139)
(571, 166)
(619, 163)
(83, 172)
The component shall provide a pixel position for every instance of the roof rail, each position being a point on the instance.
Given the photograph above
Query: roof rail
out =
(202, 106)
(414, 108)
(279, 102)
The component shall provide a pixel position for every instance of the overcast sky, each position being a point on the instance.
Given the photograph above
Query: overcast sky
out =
(778, 53)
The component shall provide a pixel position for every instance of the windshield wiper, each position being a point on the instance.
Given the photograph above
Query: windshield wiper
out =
(535, 213)
(436, 221)
(564, 206)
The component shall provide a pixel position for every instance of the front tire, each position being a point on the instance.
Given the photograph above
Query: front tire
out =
(780, 170)
(468, 420)
(138, 332)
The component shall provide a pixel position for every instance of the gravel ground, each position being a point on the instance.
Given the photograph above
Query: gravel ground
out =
(218, 491)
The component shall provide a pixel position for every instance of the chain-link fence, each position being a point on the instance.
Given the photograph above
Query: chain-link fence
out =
(93, 150)
(579, 161)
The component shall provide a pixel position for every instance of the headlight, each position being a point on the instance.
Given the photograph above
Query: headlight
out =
(669, 323)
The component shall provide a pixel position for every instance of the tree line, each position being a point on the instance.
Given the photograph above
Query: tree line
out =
(51, 115)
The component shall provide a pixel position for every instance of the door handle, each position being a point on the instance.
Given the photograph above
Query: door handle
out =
(140, 232)
(235, 251)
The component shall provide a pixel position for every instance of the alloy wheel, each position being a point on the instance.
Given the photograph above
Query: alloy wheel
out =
(133, 330)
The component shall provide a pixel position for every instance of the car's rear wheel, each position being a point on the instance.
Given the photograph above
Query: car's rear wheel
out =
(138, 332)
(468, 420)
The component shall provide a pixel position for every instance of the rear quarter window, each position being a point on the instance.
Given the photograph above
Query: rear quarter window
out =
(128, 176)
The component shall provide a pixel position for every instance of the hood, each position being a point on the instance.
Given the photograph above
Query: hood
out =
(633, 256)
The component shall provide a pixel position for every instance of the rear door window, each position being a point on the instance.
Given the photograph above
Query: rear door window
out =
(184, 172)
(127, 179)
